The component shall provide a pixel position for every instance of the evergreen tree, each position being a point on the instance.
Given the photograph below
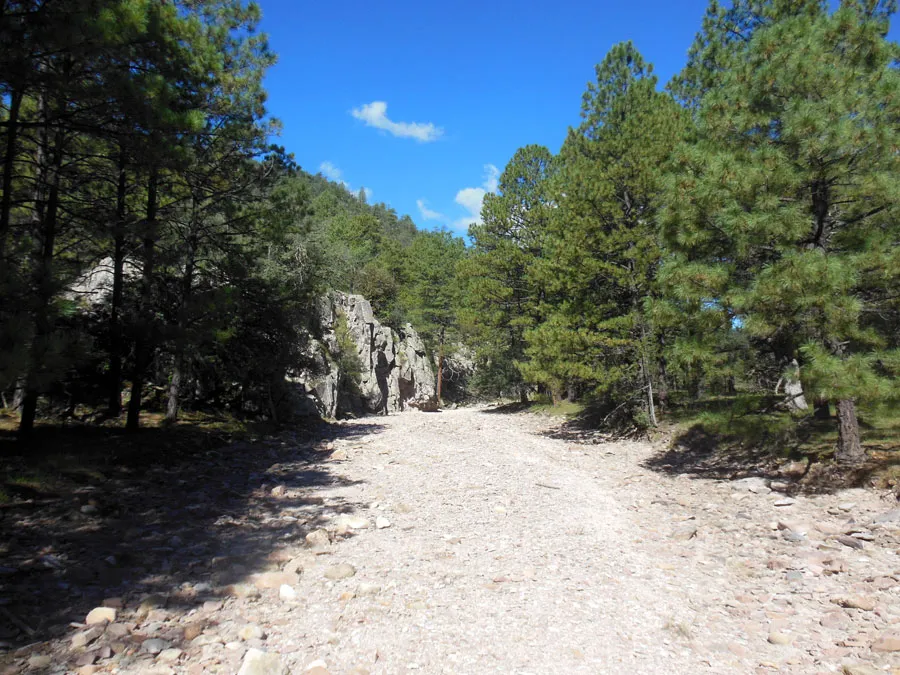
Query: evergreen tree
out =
(782, 212)
(602, 257)
(502, 299)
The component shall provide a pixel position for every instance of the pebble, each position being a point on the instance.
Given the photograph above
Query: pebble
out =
(786, 501)
(855, 602)
(860, 669)
(251, 632)
(777, 638)
(287, 593)
(169, 655)
(318, 539)
(257, 662)
(86, 637)
(100, 615)
(887, 643)
(40, 661)
(850, 542)
(382, 523)
(268, 580)
(342, 571)
(154, 645)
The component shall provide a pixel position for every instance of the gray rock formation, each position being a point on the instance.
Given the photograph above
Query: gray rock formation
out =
(361, 366)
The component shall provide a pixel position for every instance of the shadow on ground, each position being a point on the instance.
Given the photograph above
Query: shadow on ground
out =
(91, 514)
(703, 454)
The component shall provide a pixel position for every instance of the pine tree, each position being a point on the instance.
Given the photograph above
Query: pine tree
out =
(502, 299)
(433, 293)
(782, 212)
(602, 255)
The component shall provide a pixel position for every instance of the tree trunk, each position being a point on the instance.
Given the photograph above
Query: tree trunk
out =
(523, 395)
(440, 372)
(821, 410)
(43, 281)
(187, 284)
(174, 391)
(142, 349)
(116, 346)
(9, 158)
(849, 450)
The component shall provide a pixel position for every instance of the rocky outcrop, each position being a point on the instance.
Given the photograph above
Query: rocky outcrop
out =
(361, 366)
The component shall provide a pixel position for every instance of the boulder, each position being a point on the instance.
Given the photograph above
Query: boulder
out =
(358, 365)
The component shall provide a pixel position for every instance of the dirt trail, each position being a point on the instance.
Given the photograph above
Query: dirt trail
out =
(472, 542)
(512, 552)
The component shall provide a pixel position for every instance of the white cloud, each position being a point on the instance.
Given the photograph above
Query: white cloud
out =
(331, 172)
(427, 213)
(472, 198)
(374, 114)
(491, 177)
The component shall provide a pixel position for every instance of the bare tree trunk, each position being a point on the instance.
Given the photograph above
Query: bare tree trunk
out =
(116, 346)
(143, 350)
(849, 450)
(821, 411)
(523, 395)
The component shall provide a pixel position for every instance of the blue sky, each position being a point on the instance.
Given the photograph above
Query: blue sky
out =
(423, 103)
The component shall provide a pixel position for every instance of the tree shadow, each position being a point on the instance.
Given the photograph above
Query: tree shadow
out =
(90, 514)
(795, 458)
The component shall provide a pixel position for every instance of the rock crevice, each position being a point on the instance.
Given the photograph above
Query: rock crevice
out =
(360, 366)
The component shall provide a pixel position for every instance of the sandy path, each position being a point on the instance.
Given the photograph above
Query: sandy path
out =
(471, 542)
(511, 552)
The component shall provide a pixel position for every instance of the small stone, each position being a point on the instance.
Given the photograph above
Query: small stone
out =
(287, 593)
(786, 501)
(267, 580)
(317, 668)
(244, 591)
(345, 524)
(86, 637)
(40, 661)
(860, 669)
(847, 506)
(887, 643)
(368, 589)
(169, 655)
(89, 510)
(889, 517)
(257, 662)
(777, 638)
(100, 615)
(279, 491)
(850, 542)
(251, 632)
(318, 539)
(342, 571)
(193, 630)
(87, 670)
(382, 523)
(115, 603)
(855, 602)
(685, 533)
(150, 603)
(154, 646)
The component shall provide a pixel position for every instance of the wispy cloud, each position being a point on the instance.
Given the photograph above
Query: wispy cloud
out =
(374, 114)
(427, 213)
(331, 172)
(472, 198)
